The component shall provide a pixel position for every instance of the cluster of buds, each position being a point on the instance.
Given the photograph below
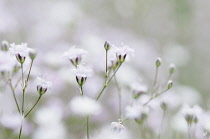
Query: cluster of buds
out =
(42, 85)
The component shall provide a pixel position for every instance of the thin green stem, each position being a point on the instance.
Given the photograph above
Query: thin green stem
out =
(29, 72)
(189, 131)
(107, 82)
(161, 125)
(106, 62)
(14, 96)
(33, 106)
(81, 90)
(23, 88)
(155, 96)
(156, 75)
(88, 136)
(20, 132)
(119, 97)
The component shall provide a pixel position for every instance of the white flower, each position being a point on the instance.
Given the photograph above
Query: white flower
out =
(191, 114)
(121, 52)
(42, 85)
(75, 55)
(83, 106)
(136, 111)
(20, 49)
(82, 73)
(117, 127)
(138, 89)
(7, 63)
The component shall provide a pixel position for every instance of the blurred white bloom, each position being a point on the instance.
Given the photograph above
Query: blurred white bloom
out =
(121, 52)
(106, 133)
(20, 49)
(42, 85)
(7, 63)
(138, 89)
(117, 127)
(32, 53)
(83, 106)
(75, 55)
(136, 111)
(82, 73)
(191, 114)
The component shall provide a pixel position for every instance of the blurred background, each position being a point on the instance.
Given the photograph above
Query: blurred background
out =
(175, 30)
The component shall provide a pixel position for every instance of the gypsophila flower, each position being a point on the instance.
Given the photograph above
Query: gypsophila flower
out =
(121, 52)
(137, 112)
(138, 89)
(7, 63)
(83, 106)
(75, 55)
(42, 85)
(117, 127)
(20, 51)
(82, 73)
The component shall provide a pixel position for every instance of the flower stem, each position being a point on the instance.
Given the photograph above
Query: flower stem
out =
(33, 106)
(88, 137)
(106, 62)
(156, 75)
(189, 131)
(23, 87)
(21, 127)
(107, 82)
(14, 96)
(119, 97)
(162, 122)
(81, 90)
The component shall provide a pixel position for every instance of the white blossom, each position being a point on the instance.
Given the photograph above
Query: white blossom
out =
(42, 85)
(117, 127)
(83, 106)
(20, 49)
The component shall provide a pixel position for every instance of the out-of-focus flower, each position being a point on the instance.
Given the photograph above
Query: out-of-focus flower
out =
(117, 127)
(75, 55)
(20, 51)
(83, 106)
(138, 89)
(5, 46)
(7, 63)
(191, 114)
(82, 73)
(42, 85)
(121, 52)
(138, 112)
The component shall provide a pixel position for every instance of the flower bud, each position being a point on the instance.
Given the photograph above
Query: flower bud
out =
(189, 118)
(172, 68)
(32, 53)
(81, 80)
(5, 46)
(107, 45)
(158, 62)
(170, 84)
(41, 90)
(20, 58)
(164, 106)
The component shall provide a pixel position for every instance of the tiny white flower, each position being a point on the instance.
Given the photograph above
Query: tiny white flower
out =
(138, 89)
(137, 112)
(42, 85)
(82, 73)
(121, 52)
(117, 127)
(20, 51)
(7, 63)
(75, 55)
(83, 106)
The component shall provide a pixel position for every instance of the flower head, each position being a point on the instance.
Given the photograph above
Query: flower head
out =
(121, 52)
(7, 63)
(82, 73)
(20, 51)
(83, 106)
(117, 127)
(137, 112)
(42, 85)
(75, 55)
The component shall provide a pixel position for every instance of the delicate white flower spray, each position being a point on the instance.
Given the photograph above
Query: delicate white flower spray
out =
(21, 52)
